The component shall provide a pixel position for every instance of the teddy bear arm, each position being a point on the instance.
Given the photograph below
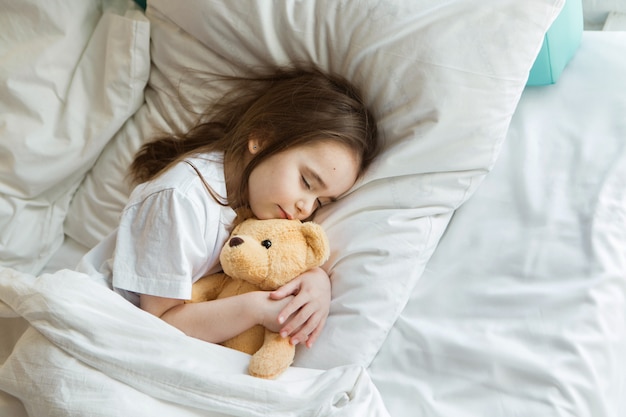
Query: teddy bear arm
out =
(248, 342)
(273, 358)
(208, 287)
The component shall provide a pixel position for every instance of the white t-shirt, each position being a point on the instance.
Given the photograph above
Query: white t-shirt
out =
(170, 233)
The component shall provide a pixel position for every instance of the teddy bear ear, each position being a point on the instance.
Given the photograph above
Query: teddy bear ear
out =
(319, 249)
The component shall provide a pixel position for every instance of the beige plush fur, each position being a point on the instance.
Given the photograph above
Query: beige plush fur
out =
(264, 255)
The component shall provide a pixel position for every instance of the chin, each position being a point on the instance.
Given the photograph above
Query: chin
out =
(262, 215)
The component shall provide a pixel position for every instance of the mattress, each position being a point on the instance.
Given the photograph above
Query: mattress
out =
(522, 308)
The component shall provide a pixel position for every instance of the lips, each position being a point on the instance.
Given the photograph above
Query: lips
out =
(284, 214)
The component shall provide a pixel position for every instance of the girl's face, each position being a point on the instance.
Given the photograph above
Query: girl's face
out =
(294, 183)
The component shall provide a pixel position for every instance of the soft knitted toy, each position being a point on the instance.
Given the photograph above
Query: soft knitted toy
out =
(264, 254)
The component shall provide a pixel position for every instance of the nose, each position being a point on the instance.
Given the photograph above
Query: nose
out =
(306, 207)
(235, 241)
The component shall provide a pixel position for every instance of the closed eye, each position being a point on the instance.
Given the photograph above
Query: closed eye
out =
(305, 182)
(309, 187)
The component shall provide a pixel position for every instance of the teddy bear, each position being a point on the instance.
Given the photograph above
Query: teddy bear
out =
(264, 255)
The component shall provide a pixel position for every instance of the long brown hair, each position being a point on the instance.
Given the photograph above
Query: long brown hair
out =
(289, 107)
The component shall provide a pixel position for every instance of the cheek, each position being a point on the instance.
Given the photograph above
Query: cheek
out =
(258, 184)
(261, 192)
(344, 181)
(253, 191)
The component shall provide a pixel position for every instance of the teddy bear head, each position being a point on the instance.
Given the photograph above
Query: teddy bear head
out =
(270, 253)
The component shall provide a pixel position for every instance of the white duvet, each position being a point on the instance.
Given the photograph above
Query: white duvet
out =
(88, 352)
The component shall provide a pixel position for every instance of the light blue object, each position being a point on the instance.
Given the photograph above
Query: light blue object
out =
(559, 45)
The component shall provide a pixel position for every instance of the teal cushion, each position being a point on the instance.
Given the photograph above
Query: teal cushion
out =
(559, 45)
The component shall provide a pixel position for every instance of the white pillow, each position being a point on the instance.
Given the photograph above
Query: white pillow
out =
(443, 79)
(72, 73)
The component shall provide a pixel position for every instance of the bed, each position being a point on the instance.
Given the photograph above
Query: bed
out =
(479, 268)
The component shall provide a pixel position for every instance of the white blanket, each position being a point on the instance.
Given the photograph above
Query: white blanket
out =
(87, 351)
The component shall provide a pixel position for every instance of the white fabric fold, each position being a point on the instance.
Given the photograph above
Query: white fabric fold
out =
(90, 352)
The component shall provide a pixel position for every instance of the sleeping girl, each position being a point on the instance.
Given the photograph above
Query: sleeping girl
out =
(280, 145)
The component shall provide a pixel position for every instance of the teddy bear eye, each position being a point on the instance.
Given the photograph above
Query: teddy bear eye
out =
(266, 243)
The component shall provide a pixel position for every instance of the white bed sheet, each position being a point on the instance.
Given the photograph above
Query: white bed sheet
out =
(522, 309)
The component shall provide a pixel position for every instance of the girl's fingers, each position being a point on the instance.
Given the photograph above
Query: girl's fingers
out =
(314, 335)
(301, 327)
(293, 325)
(291, 308)
(304, 316)
(308, 334)
(291, 288)
(300, 307)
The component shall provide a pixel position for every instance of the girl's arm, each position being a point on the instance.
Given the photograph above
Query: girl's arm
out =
(218, 320)
(309, 307)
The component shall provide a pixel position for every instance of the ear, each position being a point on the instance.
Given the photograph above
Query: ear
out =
(319, 249)
(254, 143)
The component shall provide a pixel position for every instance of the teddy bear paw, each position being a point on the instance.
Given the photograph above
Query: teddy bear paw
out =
(273, 358)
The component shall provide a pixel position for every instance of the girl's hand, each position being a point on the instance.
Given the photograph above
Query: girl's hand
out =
(270, 309)
(305, 315)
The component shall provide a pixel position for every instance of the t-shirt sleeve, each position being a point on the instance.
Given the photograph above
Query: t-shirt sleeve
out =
(160, 243)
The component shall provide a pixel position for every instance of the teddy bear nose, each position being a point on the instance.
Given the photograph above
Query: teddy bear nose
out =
(235, 241)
